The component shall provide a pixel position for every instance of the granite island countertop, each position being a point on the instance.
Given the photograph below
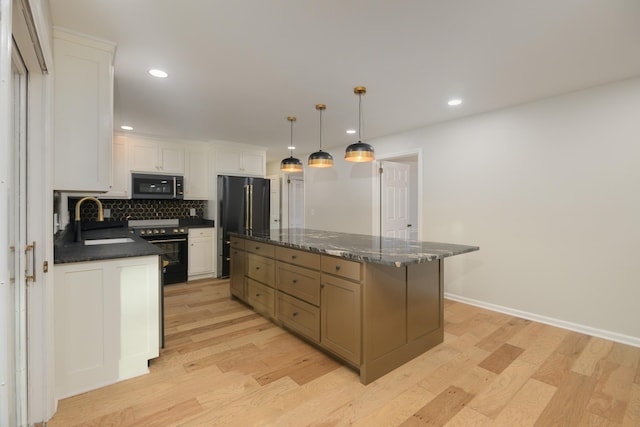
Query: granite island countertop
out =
(66, 250)
(361, 247)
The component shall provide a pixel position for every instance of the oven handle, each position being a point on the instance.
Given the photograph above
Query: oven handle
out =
(167, 241)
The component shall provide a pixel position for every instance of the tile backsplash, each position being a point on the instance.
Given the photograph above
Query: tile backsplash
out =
(121, 210)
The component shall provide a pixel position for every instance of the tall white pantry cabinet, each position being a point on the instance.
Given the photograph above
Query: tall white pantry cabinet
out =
(83, 112)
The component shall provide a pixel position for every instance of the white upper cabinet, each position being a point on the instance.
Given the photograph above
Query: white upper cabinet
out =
(240, 162)
(120, 187)
(196, 177)
(83, 112)
(157, 156)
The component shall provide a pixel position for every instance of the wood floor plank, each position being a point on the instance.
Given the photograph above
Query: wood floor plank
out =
(441, 409)
(595, 350)
(526, 406)
(568, 404)
(501, 358)
(225, 365)
(495, 397)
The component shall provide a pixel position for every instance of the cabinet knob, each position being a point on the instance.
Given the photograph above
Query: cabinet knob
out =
(337, 268)
(294, 314)
(257, 268)
(257, 248)
(321, 285)
(294, 281)
(294, 256)
(257, 295)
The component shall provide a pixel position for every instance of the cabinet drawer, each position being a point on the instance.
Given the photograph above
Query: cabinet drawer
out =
(299, 316)
(260, 248)
(261, 298)
(297, 257)
(201, 232)
(237, 242)
(299, 282)
(261, 269)
(341, 267)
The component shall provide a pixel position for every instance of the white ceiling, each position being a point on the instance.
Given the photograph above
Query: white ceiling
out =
(238, 68)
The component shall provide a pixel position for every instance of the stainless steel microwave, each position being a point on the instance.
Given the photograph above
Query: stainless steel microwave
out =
(148, 186)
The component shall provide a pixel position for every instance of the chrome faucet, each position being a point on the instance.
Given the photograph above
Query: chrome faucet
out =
(78, 204)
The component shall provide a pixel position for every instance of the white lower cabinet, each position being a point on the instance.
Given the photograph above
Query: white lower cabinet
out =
(107, 323)
(201, 253)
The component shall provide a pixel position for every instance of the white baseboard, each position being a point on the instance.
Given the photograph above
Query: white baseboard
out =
(600, 333)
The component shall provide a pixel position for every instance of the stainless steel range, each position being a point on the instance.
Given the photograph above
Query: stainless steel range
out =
(171, 238)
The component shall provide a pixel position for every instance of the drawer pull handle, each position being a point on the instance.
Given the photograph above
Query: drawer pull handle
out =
(257, 248)
(321, 285)
(257, 295)
(294, 256)
(337, 268)
(257, 268)
(294, 281)
(294, 314)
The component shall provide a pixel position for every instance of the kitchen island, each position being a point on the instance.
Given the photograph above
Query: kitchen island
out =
(375, 303)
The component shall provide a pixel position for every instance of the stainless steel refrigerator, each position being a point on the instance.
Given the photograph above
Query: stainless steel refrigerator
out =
(243, 207)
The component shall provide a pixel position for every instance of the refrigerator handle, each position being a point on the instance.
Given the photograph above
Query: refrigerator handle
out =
(251, 207)
(246, 208)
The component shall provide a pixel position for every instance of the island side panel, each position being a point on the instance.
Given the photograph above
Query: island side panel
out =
(402, 315)
(425, 299)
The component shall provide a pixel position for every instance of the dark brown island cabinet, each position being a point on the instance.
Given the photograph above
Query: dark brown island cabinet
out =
(366, 307)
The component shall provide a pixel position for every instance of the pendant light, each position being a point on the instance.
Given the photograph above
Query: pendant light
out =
(320, 159)
(359, 151)
(291, 164)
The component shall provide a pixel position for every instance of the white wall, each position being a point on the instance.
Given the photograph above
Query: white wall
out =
(339, 198)
(550, 191)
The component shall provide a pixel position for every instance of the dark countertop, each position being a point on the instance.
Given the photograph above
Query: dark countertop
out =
(360, 247)
(65, 250)
(196, 223)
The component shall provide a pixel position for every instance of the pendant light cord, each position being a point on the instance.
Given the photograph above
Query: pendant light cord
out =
(320, 129)
(291, 141)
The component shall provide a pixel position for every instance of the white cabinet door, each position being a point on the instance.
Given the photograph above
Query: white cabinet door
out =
(157, 156)
(240, 162)
(83, 112)
(107, 322)
(143, 155)
(201, 253)
(197, 177)
(171, 158)
(121, 176)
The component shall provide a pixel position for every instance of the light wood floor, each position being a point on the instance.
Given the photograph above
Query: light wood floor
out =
(225, 365)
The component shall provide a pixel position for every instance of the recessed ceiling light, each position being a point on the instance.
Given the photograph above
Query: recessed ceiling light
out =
(455, 102)
(125, 127)
(158, 73)
(291, 147)
(351, 131)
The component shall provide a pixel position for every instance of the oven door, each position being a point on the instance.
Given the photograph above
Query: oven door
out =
(175, 256)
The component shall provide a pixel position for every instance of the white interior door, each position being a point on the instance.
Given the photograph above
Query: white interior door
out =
(17, 236)
(296, 201)
(395, 182)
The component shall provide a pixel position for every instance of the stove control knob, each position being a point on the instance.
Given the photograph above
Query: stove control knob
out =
(142, 232)
(156, 231)
(163, 231)
(149, 231)
(182, 230)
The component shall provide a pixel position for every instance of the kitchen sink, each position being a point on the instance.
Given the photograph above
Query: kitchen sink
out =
(111, 241)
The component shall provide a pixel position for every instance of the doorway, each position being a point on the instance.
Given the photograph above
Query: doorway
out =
(293, 200)
(399, 197)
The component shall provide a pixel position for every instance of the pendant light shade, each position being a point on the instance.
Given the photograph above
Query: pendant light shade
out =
(320, 159)
(291, 164)
(359, 151)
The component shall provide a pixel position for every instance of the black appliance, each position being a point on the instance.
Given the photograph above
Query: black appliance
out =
(149, 186)
(243, 207)
(172, 240)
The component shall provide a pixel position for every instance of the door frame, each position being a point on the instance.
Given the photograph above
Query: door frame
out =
(376, 189)
(27, 21)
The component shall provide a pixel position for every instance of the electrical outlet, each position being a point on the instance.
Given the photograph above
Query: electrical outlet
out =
(106, 213)
(192, 212)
